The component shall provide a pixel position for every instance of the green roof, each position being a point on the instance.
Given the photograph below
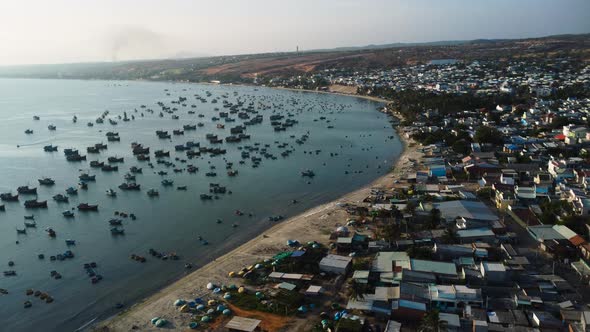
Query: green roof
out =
(434, 267)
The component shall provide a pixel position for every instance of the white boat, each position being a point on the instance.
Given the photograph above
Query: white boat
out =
(111, 193)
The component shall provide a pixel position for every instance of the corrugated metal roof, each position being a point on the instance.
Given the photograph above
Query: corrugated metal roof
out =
(243, 324)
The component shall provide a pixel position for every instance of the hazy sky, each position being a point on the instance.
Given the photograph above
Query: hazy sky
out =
(54, 31)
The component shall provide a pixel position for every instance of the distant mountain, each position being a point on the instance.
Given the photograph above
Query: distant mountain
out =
(245, 67)
(445, 43)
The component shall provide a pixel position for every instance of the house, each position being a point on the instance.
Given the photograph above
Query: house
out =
(313, 290)
(453, 323)
(440, 270)
(335, 264)
(493, 272)
(482, 234)
(469, 210)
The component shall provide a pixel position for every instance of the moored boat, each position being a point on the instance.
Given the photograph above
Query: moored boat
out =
(129, 186)
(9, 197)
(117, 231)
(61, 198)
(46, 181)
(87, 177)
(25, 190)
(35, 204)
(87, 207)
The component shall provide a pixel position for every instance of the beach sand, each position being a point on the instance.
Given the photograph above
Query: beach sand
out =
(313, 225)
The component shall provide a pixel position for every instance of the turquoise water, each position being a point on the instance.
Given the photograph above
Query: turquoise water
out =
(360, 143)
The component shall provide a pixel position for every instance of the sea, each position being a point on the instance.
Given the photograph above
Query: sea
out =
(344, 141)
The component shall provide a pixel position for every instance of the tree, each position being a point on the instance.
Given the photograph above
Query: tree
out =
(485, 134)
(420, 252)
(357, 290)
(431, 322)
(434, 218)
(450, 236)
(390, 232)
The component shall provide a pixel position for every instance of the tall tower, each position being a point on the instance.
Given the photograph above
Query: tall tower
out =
(297, 50)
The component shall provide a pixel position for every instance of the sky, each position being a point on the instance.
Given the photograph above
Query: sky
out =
(64, 31)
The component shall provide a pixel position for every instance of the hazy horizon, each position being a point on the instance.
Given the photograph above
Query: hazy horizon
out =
(66, 31)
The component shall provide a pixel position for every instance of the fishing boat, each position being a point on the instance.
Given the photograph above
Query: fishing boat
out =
(129, 177)
(30, 217)
(51, 127)
(153, 193)
(50, 232)
(92, 149)
(206, 197)
(75, 157)
(70, 242)
(161, 153)
(167, 182)
(83, 185)
(9, 273)
(49, 148)
(30, 224)
(117, 231)
(129, 186)
(308, 173)
(46, 181)
(135, 170)
(72, 191)
(21, 231)
(25, 190)
(29, 131)
(181, 188)
(61, 198)
(87, 177)
(2, 207)
(115, 159)
(87, 207)
(36, 117)
(68, 214)
(96, 164)
(115, 222)
(9, 197)
(90, 124)
(110, 168)
(111, 193)
(35, 204)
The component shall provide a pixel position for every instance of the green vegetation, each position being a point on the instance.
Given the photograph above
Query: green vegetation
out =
(284, 303)
(486, 134)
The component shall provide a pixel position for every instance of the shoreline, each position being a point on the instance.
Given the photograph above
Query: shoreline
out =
(314, 224)
(320, 219)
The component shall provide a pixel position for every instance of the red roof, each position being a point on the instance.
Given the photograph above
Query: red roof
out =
(560, 137)
(577, 240)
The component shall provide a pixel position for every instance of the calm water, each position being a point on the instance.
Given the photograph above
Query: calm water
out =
(361, 139)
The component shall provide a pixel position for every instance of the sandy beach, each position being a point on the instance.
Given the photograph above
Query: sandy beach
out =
(313, 225)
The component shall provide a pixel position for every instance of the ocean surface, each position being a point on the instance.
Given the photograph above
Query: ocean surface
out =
(344, 141)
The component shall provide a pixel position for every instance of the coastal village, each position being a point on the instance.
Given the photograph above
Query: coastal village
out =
(482, 225)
